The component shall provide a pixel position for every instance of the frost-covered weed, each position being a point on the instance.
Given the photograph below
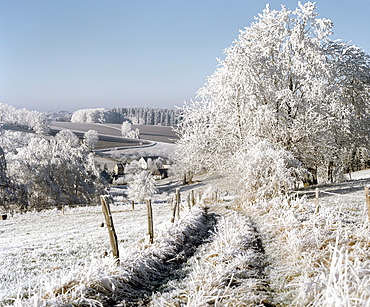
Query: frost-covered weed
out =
(316, 259)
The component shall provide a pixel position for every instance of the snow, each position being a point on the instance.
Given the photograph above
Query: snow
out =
(37, 245)
(364, 174)
(45, 252)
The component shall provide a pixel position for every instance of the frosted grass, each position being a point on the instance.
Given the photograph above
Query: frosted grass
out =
(227, 271)
(38, 245)
(316, 259)
(142, 269)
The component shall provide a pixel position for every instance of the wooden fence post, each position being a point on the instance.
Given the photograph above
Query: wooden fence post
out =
(173, 202)
(150, 220)
(199, 196)
(110, 226)
(367, 195)
(192, 198)
(132, 205)
(178, 201)
(317, 201)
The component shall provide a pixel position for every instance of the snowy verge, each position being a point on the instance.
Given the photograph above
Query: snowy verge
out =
(317, 258)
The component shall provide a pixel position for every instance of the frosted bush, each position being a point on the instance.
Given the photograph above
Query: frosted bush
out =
(264, 171)
(141, 187)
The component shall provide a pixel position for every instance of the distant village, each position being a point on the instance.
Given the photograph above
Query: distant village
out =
(120, 173)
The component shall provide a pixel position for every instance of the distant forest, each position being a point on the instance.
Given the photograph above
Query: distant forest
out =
(136, 115)
(150, 116)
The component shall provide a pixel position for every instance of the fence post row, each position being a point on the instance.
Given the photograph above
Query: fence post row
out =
(109, 222)
(192, 198)
(150, 220)
(173, 203)
(176, 206)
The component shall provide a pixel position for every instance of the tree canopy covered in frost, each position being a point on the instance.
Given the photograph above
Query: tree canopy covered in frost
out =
(99, 115)
(5, 188)
(91, 138)
(32, 120)
(149, 116)
(141, 187)
(284, 82)
(55, 171)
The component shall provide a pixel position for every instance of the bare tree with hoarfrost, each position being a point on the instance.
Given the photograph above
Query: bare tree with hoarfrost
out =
(91, 138)
(285, 82)
(141, 187)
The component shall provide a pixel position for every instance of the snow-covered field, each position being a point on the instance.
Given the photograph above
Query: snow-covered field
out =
(39, 246)
(267, 253)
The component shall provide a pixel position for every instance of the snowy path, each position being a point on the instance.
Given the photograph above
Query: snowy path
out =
(208, 257)
(228, 270)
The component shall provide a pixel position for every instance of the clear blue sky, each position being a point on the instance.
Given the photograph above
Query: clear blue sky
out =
(73, 54)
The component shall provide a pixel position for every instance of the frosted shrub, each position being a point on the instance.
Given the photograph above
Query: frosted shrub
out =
(141, 187)
(265, 171)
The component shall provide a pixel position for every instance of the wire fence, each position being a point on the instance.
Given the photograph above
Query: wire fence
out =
(69, 233)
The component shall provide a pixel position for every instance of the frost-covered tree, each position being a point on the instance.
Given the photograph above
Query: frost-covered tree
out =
(99, 115)
(285, 82)
(11, 194)
(125, 128)
(4, 182)
(127, 132)
(56, 171)
(11, 141)
(32, 120)
(141, 187)
(91, 138)
(68, 136)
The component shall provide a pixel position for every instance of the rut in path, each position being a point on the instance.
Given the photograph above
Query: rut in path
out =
(229, 270)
